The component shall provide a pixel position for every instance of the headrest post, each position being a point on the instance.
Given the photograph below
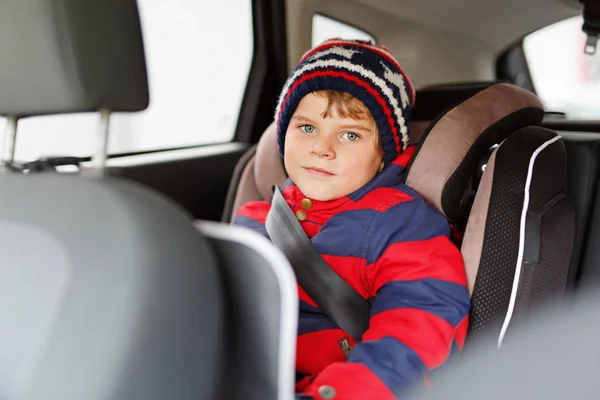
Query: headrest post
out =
(10, 140)
(591, 44)
(100, 153)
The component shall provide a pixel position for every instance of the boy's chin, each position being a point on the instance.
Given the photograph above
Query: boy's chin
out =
(321, 192)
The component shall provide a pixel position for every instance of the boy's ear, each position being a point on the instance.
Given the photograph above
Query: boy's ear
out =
(381, 166)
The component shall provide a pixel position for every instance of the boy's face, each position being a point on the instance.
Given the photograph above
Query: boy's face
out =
(329, 158)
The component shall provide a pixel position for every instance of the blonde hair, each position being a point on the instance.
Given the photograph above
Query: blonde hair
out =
(348, 106)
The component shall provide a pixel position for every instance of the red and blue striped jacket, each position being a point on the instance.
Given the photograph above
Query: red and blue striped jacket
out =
(395, 250)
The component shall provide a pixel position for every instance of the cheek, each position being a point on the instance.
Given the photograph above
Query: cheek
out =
(287, 144)
(293, 142)
(366, 161)
(291, 147)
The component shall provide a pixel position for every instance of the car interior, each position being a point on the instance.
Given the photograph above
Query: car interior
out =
(139, 127)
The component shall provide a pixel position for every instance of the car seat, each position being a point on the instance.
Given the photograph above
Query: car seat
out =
(107, 290)
(518, 225)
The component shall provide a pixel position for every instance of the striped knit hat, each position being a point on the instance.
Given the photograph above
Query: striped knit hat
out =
(368, 72)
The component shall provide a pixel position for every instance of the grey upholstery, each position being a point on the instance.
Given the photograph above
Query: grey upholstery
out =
(262, 314)
(555, 355)
(107, 293)
(71, 55)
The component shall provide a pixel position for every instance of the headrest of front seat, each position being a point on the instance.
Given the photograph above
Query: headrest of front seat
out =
(453, 146)
(64, 56)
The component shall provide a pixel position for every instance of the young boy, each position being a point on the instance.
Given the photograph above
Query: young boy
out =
(342, 130)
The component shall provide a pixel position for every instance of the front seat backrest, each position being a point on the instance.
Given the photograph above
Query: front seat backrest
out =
(534, 366)
(107, 291)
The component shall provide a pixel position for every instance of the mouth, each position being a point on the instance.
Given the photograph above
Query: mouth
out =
(318, 171)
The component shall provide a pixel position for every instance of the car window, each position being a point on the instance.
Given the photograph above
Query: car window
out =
(198, 56)
(566, 79)
(324, 28)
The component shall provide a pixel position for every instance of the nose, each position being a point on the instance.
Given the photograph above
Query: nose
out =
(323, 147)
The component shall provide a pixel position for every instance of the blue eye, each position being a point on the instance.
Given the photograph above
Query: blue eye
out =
(351, 136)
(308, 128)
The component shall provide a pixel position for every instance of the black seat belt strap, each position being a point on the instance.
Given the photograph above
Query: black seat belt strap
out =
(338, 300)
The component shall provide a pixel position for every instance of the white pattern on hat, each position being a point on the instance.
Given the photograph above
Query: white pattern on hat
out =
(339, 51)
(397, 80)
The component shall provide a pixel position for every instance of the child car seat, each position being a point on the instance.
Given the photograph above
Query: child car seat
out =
(518, 223)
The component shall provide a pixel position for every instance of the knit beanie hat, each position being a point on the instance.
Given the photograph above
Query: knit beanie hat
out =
(366, 71)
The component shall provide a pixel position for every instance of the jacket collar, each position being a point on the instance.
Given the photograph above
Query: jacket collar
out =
(392, 175)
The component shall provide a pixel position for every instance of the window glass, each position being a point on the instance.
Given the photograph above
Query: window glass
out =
(198, 55)
(566, 79)
(326, 28)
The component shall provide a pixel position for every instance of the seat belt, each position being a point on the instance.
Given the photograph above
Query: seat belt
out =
(338, 300)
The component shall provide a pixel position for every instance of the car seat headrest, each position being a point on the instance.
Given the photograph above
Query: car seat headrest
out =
(71, 56)
(268, 165)
(431, 101)
(453, 146)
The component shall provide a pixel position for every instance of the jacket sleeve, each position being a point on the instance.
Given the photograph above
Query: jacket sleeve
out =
(420, 304)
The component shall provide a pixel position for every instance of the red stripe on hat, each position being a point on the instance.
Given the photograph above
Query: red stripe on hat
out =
(372, 48)
(369, 88)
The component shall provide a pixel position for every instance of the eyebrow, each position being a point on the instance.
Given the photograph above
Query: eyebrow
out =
(302, 118)
(357, 127)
